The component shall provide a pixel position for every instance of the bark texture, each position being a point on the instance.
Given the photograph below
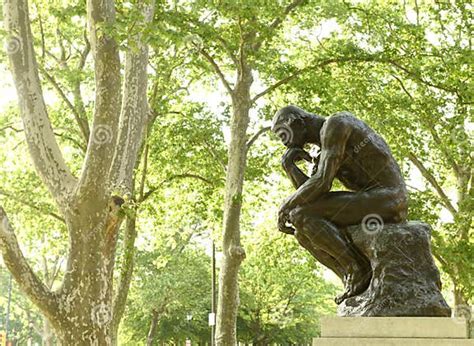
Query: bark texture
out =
(233, 253)
(242, 101)
(82, 310)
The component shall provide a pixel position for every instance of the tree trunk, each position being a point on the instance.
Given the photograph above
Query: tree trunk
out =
(233, 253)
(150, 339)
(461, 305)
(81, 311)
(120, 298)
(47, 334)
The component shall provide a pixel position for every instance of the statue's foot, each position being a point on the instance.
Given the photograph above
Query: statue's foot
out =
(356, 281)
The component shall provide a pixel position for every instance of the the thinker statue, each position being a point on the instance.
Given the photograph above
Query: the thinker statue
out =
(361, 160)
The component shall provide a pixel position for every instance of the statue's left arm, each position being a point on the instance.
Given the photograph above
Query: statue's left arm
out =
(333, 143)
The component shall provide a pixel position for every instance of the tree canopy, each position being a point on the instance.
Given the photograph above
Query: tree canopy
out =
(135, 134)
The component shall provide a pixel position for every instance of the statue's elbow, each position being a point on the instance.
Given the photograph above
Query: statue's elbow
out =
(325, 186)
(285, 165)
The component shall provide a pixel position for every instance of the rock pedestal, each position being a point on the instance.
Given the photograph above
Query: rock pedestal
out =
(405, 280)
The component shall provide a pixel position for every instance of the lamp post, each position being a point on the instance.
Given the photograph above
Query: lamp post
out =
(212, 315)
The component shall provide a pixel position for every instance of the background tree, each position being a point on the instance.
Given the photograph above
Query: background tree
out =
(283, 294)
(240, 39)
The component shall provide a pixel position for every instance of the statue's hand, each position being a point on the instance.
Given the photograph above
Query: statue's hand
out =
(293, 155)
(283, 218)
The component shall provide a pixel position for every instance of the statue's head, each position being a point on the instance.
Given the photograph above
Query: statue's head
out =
(290, 124)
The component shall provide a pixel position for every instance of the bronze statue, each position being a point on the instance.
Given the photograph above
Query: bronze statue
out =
(361, 160)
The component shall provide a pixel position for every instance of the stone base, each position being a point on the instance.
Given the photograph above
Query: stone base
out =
(393, 331)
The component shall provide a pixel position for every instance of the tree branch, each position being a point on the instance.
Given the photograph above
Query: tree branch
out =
(126, 271)
(223, 42)
(227, 48)
(130, 236)
(218, 70)
(417, 77)
(135, 110)
(432, 180)
(256, 135)
(278, 20)
(78, 101)
(276, 85)
(299, 72)
(27, 280)
(42, 144)
(433, 132)
(77, 116)
(32, 205)
(102, 141)
(173, 177)
(55, 271)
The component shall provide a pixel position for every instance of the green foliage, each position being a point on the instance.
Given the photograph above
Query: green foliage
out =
(24, 320)
(403, 67)
(283, 294)
(173, 283)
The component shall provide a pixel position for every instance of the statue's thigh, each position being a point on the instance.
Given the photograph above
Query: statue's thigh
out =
(348, 208)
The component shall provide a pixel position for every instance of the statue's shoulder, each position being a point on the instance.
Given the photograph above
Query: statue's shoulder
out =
(342, 118)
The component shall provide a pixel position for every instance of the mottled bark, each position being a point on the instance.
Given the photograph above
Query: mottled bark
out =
(126, 272)
(134, 113)
(81, 311)
(101, 147)
(47, 334)
(40, 138)
(13, 257)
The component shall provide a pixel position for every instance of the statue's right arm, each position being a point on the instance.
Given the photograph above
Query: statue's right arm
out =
(288, 162)
(335, 136)
(296, 176)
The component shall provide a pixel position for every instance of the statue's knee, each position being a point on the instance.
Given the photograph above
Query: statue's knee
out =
(398, 210)
(297, 217)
